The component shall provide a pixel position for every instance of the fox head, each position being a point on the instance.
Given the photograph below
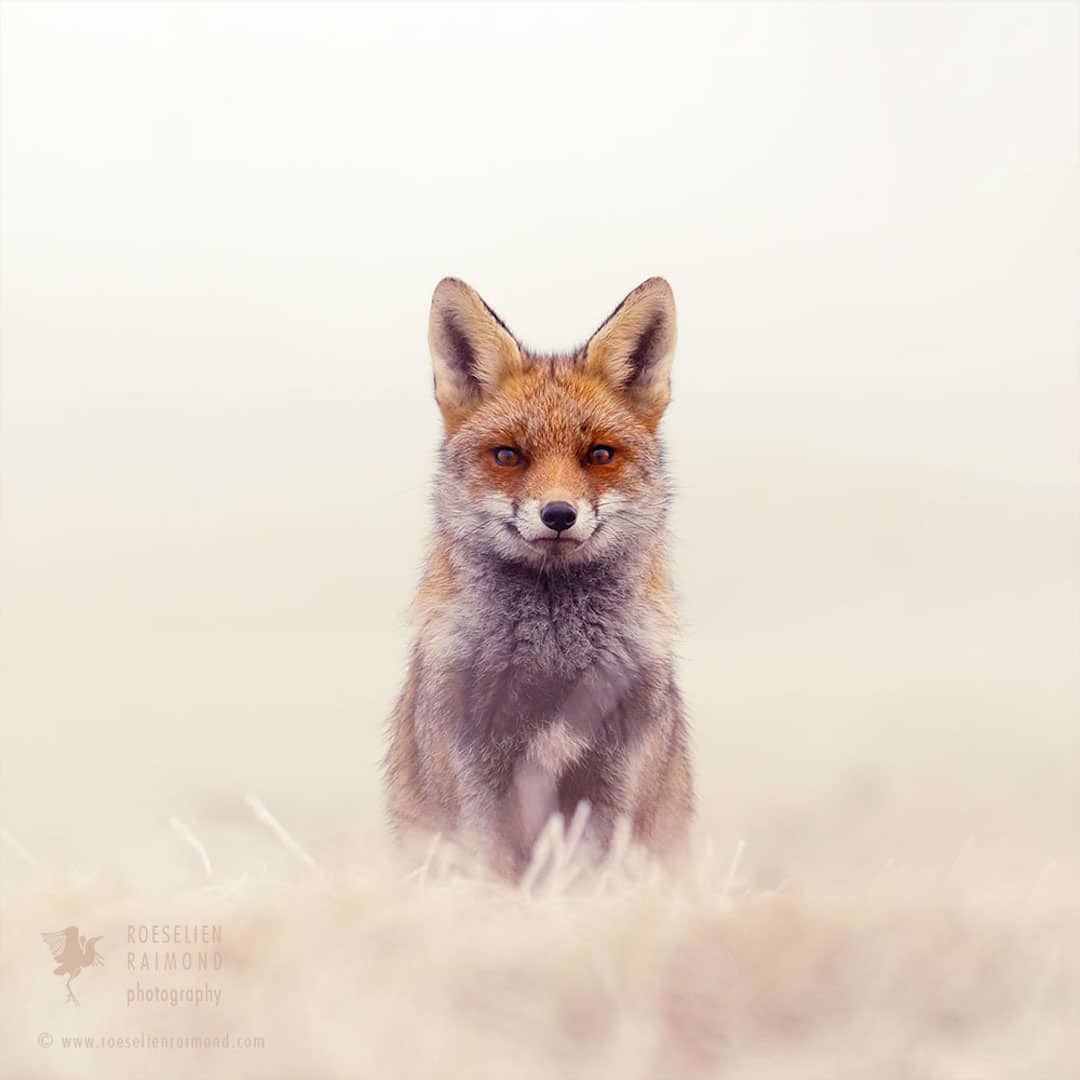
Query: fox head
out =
(552, 460)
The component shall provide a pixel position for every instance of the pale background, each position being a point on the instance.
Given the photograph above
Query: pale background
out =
(221, 227)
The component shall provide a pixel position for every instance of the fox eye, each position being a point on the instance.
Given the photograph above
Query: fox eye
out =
(600, 455)
(506, 455)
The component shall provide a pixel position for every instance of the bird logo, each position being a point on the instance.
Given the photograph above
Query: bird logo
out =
(72, 953)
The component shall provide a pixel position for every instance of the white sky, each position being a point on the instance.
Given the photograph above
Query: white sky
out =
(221, 226)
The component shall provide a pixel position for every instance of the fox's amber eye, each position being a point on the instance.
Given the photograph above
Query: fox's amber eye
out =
(506, 455)
(600, 455)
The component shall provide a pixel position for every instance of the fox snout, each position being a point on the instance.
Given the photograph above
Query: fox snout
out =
(556, 520)
(558, 516)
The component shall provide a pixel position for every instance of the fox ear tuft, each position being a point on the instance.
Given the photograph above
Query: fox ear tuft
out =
(471, 349)
(634, 348)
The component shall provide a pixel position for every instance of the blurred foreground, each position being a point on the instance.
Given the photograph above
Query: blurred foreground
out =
(349, 964)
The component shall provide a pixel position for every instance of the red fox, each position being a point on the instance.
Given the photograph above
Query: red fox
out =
(542, 671)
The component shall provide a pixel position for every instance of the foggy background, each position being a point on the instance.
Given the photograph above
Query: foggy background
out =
(221, 227)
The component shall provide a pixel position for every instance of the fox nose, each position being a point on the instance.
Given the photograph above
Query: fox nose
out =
(558, 515)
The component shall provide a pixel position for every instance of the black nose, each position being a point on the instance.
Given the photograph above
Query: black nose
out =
(558, 515)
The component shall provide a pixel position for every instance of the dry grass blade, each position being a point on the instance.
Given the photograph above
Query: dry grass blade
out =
(193, 842)
(290, 843)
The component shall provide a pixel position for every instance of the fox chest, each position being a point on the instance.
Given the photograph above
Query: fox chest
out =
(542, 635)
(521, 664)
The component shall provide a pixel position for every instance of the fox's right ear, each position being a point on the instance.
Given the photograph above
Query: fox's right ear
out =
(633, 350)
(471, 349)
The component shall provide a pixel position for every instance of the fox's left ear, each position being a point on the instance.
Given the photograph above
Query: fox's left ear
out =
(471, 349)
(633, 350)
